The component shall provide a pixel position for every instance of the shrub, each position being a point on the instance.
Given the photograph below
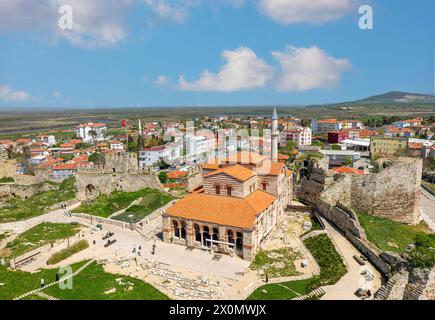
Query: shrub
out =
(68, 252)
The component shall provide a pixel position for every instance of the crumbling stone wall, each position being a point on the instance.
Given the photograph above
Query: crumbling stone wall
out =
(8, 191)
(91, 185)
(120, 172)
(394, 193)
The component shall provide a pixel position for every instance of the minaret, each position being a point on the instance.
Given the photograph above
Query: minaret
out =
(275, 135)
(140, 142)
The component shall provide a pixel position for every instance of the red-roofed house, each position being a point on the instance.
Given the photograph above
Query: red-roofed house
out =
(91, 132)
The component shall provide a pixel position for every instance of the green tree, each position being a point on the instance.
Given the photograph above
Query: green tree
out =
(163, 177)
(291, 146)
(348, 161)
(97, 158)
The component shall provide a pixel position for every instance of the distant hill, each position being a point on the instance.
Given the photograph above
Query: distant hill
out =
(398, 97)
(393, 97)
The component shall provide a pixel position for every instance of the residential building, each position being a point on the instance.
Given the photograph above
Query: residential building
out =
(385, 146)
(339, 158)
(408, 123)
(300, 135)
(63, 171)
(170, 153)
(49, 140)
(91, 132)
(116, 145)
(337, 136)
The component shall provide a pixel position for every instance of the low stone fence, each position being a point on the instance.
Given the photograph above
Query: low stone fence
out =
(313, 234)
(17, 261)
(347, 222)
(152, 217)
(425, 187)
(374, 255)
(94, 220)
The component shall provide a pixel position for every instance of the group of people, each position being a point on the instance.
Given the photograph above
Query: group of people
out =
(139, 249)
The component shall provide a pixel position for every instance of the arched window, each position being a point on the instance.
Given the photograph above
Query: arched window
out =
(183, 231)
(264, 185)
(197, 233)
(176, 229)
(239, 241)
(230, 236)
(206, 236)
(215, 236)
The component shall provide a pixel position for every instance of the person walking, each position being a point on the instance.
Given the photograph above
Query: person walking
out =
(42, 283)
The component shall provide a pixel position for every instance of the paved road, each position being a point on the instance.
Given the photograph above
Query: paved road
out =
(344, 289)
(427, 205)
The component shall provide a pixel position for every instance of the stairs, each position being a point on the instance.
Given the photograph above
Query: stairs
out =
(413, 291)
(312, 294)
(384, 292)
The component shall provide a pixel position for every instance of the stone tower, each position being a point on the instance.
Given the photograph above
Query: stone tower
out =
(275, 135)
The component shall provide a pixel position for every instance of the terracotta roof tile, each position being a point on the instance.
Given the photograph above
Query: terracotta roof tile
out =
(236, 171)
(223, 210)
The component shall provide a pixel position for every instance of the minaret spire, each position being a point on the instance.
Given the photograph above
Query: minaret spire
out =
(275, 135)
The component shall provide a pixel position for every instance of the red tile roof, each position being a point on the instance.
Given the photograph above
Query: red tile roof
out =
(222, 210)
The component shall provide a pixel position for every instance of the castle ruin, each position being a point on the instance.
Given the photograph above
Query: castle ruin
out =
(119, 172)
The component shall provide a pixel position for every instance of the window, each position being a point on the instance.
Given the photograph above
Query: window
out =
(229, 189)
(218, 189)
(264, 186)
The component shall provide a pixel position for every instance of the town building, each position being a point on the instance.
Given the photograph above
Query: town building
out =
(339, 158)
(385, 146)
(169, 153)
(337, 136)
(408, 123)
(61, 172)
(91, 132)
(300, 135)
(49, 140)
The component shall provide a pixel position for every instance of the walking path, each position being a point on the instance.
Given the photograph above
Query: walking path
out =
(36, 291)
(353, 280)
(427, 207)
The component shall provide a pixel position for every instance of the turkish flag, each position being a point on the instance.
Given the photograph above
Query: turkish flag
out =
(124, 123)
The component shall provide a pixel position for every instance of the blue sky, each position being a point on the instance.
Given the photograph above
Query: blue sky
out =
(130, 53)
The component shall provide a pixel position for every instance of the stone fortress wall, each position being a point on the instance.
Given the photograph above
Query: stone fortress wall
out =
(392, 193)
(120, 172)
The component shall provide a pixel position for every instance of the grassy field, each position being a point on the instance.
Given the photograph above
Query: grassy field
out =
(94, 284)
(390, 235)
(90, 284)
(21, 209)
(276, 263)
(331, 266)
(68, 252)
(106, 205)
(281, 291)
(38, 236)
(149, 203)
(6, 180)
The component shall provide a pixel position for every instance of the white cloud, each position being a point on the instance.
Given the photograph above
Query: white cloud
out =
(9, 94)
(177, 10)
(161, 81)
(57, 94)
(308, 68)
(297, 11)
(96, 23)
(243, 70)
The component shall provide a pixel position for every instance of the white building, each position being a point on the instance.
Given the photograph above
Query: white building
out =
(300, 135)
(116, 145)
(50, 140)
(170, 153)
(90, 132)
